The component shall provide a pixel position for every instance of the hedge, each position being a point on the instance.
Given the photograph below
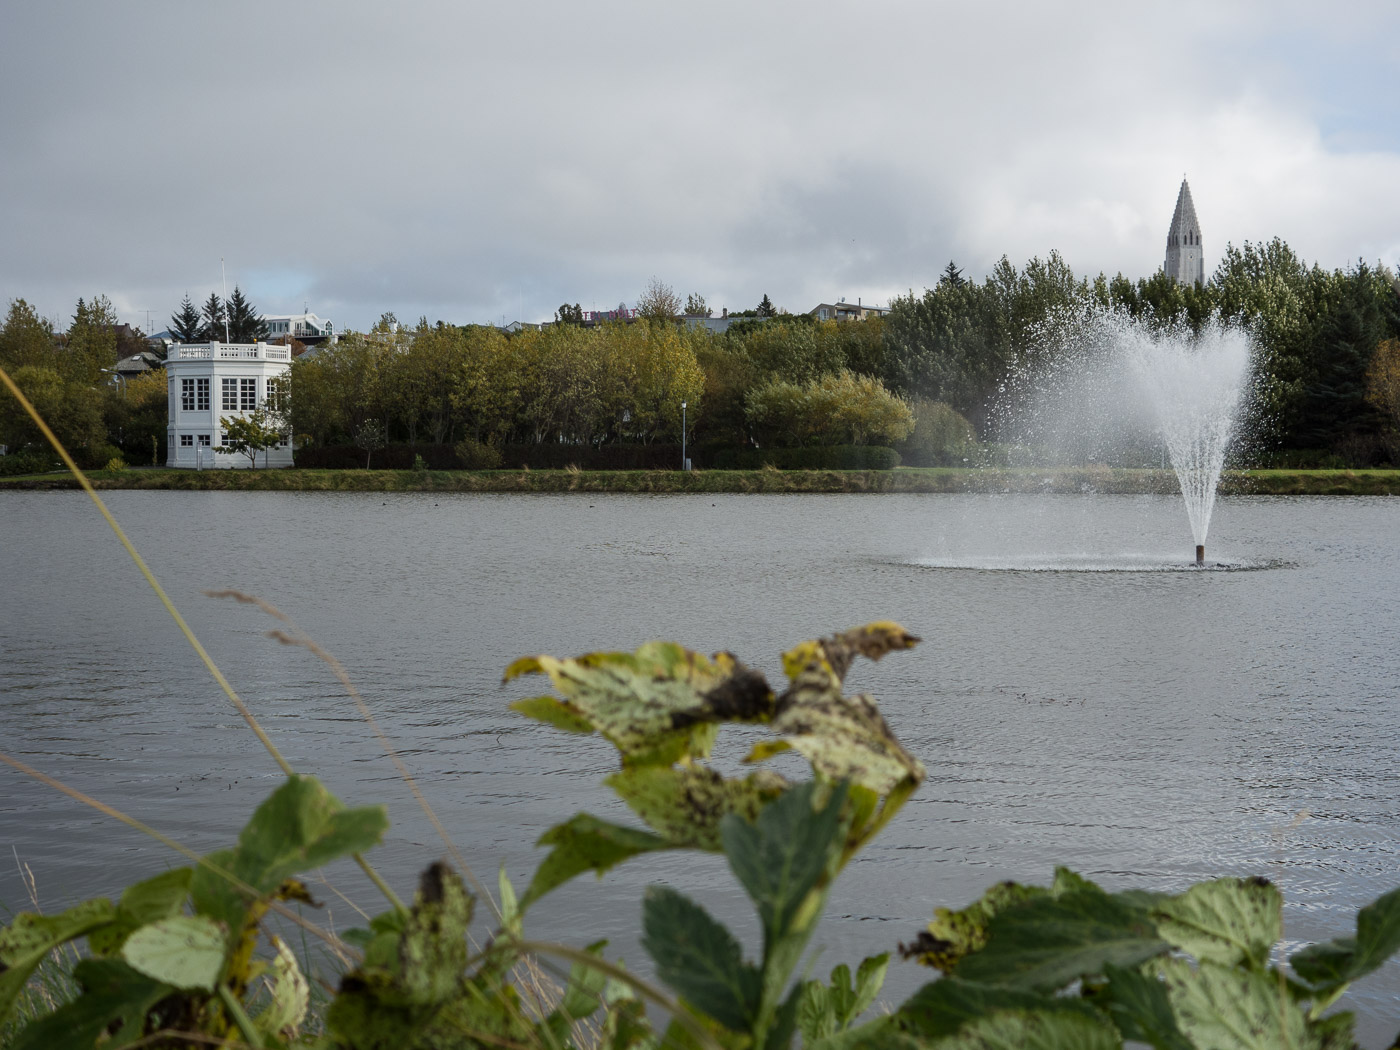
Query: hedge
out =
(820, 457)
(513, 457)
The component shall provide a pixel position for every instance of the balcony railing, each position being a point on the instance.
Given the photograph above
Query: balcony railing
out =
(230, 351)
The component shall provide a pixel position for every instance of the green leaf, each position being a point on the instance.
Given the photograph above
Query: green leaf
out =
(699, 958)
(781, 857)
(1226, 921)
(113, 994)
(161, 897)
(1231, 1008)
(942, 1008)
(657, 705)
(300, 826)
(1336, 1031)
(870, 977)
(289, 992)
(954, 934)
(511, 919)
(186, 951)
(1039, 1030)
(585, 843)
(686, 804)
(585, 988)
(433, 947)
(27, 940)
(555, 712)
(1138, 1004)
(1335, 963)
(844, 738)
(1045, 943)
(816, 1013)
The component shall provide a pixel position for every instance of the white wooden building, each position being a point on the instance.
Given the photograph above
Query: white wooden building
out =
(214, 381)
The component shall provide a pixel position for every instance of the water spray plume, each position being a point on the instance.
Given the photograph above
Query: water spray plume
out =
(1105, 387)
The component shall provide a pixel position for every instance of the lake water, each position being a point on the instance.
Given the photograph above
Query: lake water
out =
(1148, 728)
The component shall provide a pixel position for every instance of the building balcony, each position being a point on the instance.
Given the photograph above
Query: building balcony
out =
(230, 352)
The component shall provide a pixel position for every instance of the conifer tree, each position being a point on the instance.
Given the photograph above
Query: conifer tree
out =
(212, 315)
(245, 324)
(185, 324)
(766, 308)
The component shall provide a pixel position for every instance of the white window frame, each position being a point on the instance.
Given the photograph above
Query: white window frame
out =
(228, 394)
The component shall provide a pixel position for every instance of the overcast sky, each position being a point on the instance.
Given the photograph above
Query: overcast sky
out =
(474, 162)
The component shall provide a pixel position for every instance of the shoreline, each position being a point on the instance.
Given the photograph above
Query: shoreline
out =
(904, 479)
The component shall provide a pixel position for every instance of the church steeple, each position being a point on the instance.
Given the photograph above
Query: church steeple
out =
(1185, 257)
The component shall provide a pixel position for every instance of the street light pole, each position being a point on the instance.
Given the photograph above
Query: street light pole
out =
(682, 435)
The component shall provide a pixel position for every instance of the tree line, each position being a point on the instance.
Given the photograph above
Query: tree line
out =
(1327, 340)
(924, 379)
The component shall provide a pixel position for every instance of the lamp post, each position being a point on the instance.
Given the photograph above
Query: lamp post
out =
(682, 435)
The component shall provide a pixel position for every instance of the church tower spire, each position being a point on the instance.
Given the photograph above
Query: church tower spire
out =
(1185, 256)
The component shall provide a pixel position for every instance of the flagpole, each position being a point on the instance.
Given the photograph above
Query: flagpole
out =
(224, 274)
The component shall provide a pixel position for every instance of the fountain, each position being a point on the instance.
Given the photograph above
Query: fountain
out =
(1103, 387)
(1195, 385)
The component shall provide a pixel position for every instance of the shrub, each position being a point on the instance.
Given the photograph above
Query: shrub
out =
(941, 437)
(116, 463)
(29, 461)
(477, 455)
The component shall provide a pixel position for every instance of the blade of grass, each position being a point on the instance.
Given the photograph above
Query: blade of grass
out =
(183, 850)
(184, 627)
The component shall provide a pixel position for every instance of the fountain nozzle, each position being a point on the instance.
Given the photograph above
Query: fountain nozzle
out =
(1200, 554)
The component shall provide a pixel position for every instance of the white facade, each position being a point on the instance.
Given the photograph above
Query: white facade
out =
(298, 326)
(213, 381)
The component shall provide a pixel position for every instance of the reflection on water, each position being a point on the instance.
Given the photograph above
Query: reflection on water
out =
(1148, 728)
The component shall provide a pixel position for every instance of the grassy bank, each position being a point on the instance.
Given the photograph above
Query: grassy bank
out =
(1089, 479)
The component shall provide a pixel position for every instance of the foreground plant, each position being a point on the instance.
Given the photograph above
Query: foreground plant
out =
(187, 958)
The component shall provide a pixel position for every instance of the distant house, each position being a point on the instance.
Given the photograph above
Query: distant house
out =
(305, 328)
(211, 381)
(136, 364)
(519, 326)
(846, 311)
(717, 325)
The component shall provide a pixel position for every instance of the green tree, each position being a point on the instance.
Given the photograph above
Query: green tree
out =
(837, 409)
(659, 302)
(952, 275)
(245, 324)
(766, 307)
(567, 314)
(368, 436)
(212, 316)
(695, 305)
(26, 338)
(185, 323)
(250, 434)
(91, 343)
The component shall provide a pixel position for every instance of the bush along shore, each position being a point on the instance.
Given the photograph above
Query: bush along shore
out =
(906, 479)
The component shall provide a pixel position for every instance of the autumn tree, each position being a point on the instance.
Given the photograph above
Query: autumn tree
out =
(659, 302)
(695, 305)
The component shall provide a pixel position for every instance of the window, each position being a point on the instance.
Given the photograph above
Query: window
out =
(247, 394)
(201, 395)
(172, 441)
(187, 395)
(229, 398)
(187, 440)
(203, 439)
